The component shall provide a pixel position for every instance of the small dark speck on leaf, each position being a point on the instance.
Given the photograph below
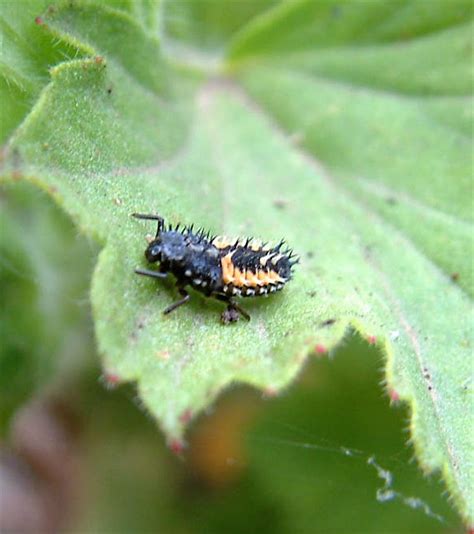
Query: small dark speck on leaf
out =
(336, 12)
(368, 251)
(310, 254)
(280, 203)
(391, 200)
(454, 277)
(311, 294)
(328, 322)
(109, 90)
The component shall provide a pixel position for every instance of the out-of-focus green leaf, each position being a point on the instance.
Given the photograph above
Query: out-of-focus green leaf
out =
(299, 464)
(44, 271)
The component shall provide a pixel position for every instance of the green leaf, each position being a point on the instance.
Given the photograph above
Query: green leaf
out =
(27, 51)
(288, 475)
(358, 153)
(44, 271)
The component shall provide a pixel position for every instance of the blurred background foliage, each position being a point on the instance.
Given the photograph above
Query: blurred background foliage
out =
(86, 458)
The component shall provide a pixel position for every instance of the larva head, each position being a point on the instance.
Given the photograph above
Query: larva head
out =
(168, 247)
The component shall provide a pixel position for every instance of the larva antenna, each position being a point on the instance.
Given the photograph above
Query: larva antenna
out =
(151, 217)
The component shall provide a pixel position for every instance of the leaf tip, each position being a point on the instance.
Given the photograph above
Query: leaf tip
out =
(110, 379)
(371, 339)
(177, 446)
(393, 396)
(320, 349)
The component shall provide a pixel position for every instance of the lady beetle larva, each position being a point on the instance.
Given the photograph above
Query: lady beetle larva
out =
(217, 266)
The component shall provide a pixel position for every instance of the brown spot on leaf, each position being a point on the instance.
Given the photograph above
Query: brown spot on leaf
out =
(280, 203)
(328, 322)
(163, 354)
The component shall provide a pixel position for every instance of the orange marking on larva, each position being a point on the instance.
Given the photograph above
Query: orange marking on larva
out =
(272, 275)
(275, 277)
(224, 265)
(239, 277)
(252, 279)
(262, 276)
(227, 269)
